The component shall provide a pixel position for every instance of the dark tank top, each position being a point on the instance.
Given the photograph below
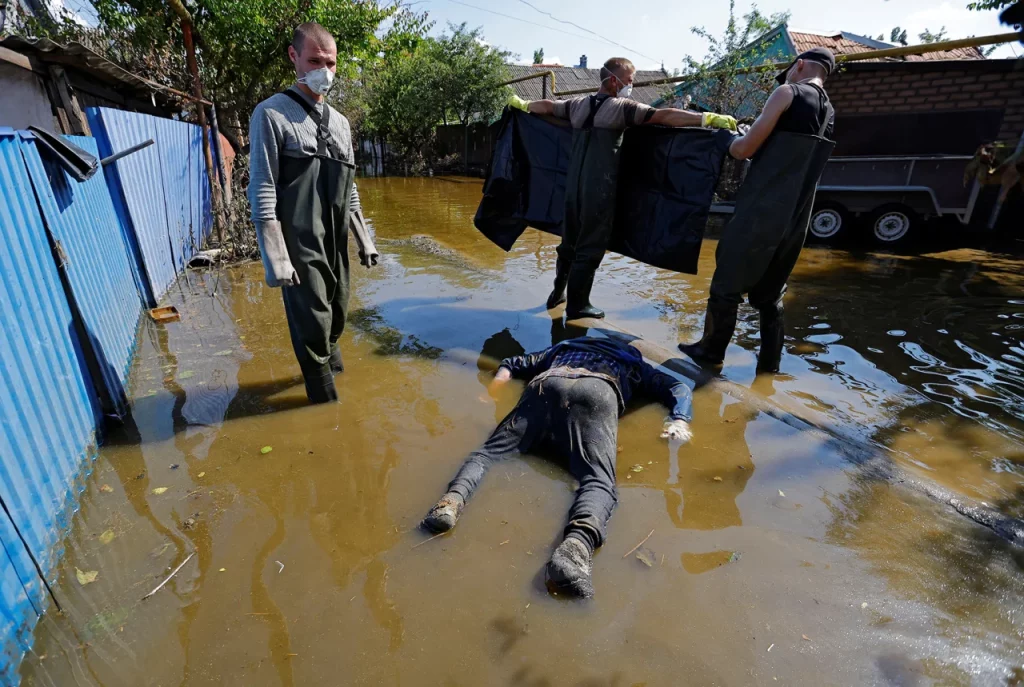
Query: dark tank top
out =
(810, 113)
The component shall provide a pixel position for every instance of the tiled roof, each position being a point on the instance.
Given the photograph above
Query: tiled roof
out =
(848, 44)
(572, 78)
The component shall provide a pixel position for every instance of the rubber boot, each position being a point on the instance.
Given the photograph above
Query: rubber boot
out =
(320, 384)
(773, 336)
(445, 513)
(569, 570)
(557, 296)
(581, 281)
(719, 325)
(337, 366)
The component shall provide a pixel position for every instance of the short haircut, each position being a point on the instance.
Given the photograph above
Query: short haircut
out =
(311, 31)
(615, 67)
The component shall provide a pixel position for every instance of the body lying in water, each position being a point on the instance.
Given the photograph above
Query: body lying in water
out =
(576, 393)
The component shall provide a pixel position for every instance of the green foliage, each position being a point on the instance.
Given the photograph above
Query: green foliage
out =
(928, 37)
(898, 35)
(983, 5)
(455, 77)
(538, 56)
(720, 83)
(241, 44)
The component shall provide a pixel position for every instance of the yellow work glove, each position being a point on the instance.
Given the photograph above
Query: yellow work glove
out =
(717, 121)
(518, 103)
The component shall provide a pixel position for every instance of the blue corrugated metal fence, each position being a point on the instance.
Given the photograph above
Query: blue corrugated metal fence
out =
(162, 191)
(78, 261)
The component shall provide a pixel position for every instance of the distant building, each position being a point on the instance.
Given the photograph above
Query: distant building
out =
(576, 78)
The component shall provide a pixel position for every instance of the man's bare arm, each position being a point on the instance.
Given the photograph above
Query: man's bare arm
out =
(542, 107)
(673, 117)
(744, 147)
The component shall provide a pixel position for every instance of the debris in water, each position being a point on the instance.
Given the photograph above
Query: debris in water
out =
(190, 522)
(174, 466)
(186, 374)
(428, 540)
(107, 537)
(281, 569)
(107, 489)
(781, 494)
(646, 556)
(140, 475)
(625, 555)
(175, 572)
(159, 490)
(770, 648)
(504, 542)
(717, 478)
(85, 578)
(864, 605)
(201, 475)
(266, 449)
(806, 638)
(223, 570)
(637, 468)
(224, 352)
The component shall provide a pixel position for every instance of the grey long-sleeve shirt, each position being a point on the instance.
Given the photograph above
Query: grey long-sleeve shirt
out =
(280, 127)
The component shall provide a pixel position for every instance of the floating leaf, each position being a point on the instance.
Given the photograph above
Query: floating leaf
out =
(224, 352)
(735, 556)
(781, 494)
(85, 578)
(107, 537)
(107, 489)
(201, 474)
(159, 490)
(646, 556)
(266, 449)
(186, 374)
(223, 569)
(637, 468)
(806, 638)
(718, 479)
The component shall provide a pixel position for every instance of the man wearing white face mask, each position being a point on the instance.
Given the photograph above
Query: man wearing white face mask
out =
(598, 122)
(304, 203)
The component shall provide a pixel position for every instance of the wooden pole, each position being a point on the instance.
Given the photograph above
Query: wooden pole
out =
(197, 90)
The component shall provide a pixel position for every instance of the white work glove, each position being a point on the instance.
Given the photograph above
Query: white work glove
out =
(677, 430)
(277, 266)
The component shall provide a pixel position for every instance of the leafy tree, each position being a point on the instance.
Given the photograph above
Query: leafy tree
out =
(241, 44)
(982, 5)
(538, 56)
(927, 36)
(721, 81)
(468, 77)
(898, 36)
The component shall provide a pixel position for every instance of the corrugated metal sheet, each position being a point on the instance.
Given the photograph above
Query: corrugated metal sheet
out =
(846, 43)
(163, 191)
(48, 408)
(81, 216)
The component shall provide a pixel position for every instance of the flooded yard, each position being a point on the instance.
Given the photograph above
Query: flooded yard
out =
(772, 560)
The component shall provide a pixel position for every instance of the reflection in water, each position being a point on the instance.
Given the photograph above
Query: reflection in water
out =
(305, 572)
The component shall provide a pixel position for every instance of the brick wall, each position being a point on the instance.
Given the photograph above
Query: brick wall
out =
(907, 88)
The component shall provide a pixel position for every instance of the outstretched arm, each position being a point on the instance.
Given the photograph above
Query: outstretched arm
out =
(744, 147)
(673, 394)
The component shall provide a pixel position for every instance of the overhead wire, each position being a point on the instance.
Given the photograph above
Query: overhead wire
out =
(584, 28)
(531, 23)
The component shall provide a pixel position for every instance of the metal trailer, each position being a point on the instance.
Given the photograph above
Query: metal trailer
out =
(894, 194)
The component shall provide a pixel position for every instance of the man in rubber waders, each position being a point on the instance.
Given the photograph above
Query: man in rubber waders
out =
(598, 122)
(789, 143)
(304, 202)
(576, 391)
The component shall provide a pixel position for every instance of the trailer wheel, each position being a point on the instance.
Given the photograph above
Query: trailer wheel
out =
(829, 222)
(893, 225)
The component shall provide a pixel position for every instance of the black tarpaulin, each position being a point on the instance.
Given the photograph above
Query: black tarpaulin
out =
(667, 180)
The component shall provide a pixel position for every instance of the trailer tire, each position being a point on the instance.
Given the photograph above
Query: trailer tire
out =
(893, 225)
(830, 222)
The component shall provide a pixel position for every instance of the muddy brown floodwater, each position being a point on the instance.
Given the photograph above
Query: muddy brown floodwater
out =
(771, 560)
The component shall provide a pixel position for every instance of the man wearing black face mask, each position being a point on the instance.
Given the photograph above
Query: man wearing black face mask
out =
(789, 144)
(598, 122)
